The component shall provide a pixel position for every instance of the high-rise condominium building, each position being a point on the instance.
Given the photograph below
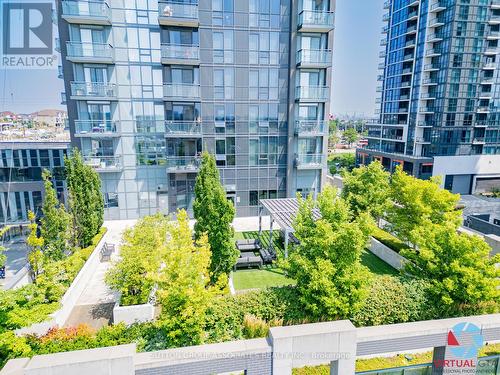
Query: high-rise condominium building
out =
(150, 85)
(440, 92)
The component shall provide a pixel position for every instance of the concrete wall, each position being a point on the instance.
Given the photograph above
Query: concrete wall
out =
(387, 254)
(336, 343)
(68, 301)
(21, 278)
(336, 181)
(481, 225)
(494, 241)
(133, 314)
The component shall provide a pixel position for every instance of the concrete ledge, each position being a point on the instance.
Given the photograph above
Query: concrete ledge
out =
(21, 278)
(387, 254)
(133, 314)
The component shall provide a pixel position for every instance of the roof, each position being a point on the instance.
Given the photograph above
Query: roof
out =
(284, 211)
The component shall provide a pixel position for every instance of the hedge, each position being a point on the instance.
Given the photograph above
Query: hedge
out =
(388, 239)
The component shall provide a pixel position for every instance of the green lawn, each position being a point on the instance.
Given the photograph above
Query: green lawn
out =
(277, 242)
(266, 277)
(376, 265)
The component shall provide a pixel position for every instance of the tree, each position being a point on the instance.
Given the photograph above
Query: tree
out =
(184, 290)
(54, 223)
(87, 203)
(366, 189)
(333, 128)
(214, 214)
(341, 162)
(457, 265)
(350, 136)
(140, 257)
(35, 244)
(326, 264)
(417, 202)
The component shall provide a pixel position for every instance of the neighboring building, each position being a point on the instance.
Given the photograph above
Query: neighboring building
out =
(440, 92)
(50, 117)
(21, 185)
(150, 85)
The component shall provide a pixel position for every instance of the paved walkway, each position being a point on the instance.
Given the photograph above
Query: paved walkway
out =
(16, 251)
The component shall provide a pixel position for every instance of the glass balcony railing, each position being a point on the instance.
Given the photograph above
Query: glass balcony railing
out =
(177, 12)
(182, 128)
(95, 127)
(316, 19)
(312, 93)
(314, 57)
(310, 127)
(89, 50)
(93, 89)
(182, 163)
(309, 160)
(86, 9)
(63, 98)
(181, 90)
(103, 163)
(180, 52)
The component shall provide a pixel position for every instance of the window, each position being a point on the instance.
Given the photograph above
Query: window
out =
(254, 198)
(110, 200)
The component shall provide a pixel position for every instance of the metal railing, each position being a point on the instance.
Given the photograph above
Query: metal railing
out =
(96, 89)
(314, 56)
(172, 9)
(95, 126)
(180, 51)
(98, 9)
(312, 92)
(183, 162)
(89, 49)
(181, 90)
(182, 128)
(103, 162)
(316, 18)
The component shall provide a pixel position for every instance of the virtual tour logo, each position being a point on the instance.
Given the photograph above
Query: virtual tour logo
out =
(27, 35)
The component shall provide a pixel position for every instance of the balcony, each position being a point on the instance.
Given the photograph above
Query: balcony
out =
(314, 58)
(493, 35)
(495, 4)
(86, 12)
(183, 129)
(491, 50)
(103, 164)
(183, 163)
(385, 29)
(316, 21)
(428, 95)
(312, 93)
(483, 109)
(383, 42)
(86, 52)
(172, 13)
(431, 67)
(63, 98)
(181, 91)
(95, 128)
(436, 22)
(426, 110)
(433, 52)
(479, 140)
(310, 128)
(487, 80)
(93, 90)
(436, 37)
(387, 4)
(412, 15)
(490, 65)
(429, 81)
(411, 29)
(423, 140)
(386, 17)
(494, 19)
(437, 6)
(309, 161)
(180, 54)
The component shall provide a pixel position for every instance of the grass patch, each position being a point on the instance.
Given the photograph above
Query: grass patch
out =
(380, 363)
(259, 279)
(376, 265)
(389, 240)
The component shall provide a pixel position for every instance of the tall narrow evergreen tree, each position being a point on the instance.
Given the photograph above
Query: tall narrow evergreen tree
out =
(55, 221)
(87, 203)
(214, 214)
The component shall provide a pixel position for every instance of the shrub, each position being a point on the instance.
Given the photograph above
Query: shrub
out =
(254, 327)
(388, 240)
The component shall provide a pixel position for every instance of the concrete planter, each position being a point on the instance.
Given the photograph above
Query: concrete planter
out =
(133, 314)
(387, 254)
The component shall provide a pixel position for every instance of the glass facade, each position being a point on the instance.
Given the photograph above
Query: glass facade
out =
(191, 76)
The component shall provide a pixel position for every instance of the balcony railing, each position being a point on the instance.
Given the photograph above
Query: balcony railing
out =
(181, 90)
(314, 57)
(63, 98)
(97, 10)
(181, 52)
(316, 19)
(183, 163)
(177, 13)
(95, 127)
(182, 128)
(93, 89)
(89, 50)
(310, 127)
(103, 163)
(312, 93)
(309, 160)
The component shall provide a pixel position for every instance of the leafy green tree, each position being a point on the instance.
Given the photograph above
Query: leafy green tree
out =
(86, 200)
(140, 256)
(341, 162)
(350, 136)
(184, 290)
(54, 223)
(326, 264)
(333, 132)
(366, 189)
(214, 214)
(458, 266)
(417, 202)
(35, 244)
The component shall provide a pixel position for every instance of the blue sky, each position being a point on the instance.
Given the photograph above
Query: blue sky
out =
(355, 60)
